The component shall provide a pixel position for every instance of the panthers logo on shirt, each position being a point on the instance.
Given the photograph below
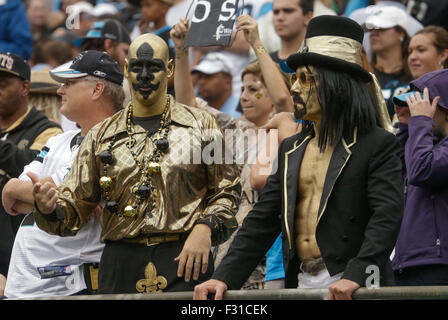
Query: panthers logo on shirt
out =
(43, 153)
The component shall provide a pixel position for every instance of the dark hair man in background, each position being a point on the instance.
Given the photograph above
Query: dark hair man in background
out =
(23, 132)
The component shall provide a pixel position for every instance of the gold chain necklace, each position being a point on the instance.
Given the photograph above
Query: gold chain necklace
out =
(148, 167)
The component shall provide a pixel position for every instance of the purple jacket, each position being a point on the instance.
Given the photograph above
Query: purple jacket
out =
(423, 237)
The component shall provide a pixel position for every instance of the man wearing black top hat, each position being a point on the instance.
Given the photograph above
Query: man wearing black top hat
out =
(338, 186)
(23, 132)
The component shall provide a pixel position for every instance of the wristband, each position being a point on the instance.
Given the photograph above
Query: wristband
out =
(181, 53)
(37, 207)
(53, 216)
(259, 50)
(214, 224)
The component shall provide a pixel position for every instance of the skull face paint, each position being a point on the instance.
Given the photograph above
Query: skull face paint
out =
(146, 72)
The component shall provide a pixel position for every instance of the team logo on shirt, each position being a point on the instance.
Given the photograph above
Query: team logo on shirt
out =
(43, 153)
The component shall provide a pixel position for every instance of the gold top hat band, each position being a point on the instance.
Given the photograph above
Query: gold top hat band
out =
(336, 47)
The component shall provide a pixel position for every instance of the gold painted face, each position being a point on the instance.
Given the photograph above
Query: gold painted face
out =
(147, 68)
(304, 93)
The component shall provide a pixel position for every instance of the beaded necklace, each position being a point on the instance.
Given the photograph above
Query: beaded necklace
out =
(148, 167)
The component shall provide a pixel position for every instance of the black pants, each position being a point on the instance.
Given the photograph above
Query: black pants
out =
(125, 268)
(426, 275)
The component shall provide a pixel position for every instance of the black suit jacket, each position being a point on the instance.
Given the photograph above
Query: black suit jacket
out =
(359, 215)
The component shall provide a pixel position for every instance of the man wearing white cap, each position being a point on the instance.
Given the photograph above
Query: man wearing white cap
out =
(214, 83)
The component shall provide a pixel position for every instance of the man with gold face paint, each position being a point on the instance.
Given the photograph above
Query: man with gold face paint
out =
(338, 186)
(163, 208)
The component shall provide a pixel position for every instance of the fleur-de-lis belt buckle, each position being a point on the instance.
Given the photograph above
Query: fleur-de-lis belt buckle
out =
(152, 282)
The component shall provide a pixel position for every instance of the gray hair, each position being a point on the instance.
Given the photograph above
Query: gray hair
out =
(112, 91)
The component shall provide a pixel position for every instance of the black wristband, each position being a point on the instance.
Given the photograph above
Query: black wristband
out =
(214, 223)
(53, 216)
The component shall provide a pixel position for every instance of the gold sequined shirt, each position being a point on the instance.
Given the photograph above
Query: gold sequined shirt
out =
(194, 183)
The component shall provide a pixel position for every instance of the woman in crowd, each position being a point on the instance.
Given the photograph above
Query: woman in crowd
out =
(265, 89)
(389, 45)
(428, 51)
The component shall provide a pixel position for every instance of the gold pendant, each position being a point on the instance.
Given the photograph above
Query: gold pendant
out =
(129, 211)
(152, 282)
(105, 182)
(154, 167)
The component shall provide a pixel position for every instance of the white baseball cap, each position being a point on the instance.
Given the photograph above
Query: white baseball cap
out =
(386, 17)
(213, 62)
(104, 8)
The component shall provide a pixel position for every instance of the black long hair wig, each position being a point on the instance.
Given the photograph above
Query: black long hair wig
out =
(347, 103)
